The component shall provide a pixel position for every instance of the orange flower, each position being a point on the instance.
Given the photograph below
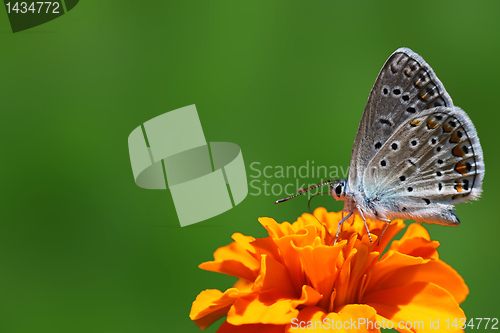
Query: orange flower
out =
(297, 278)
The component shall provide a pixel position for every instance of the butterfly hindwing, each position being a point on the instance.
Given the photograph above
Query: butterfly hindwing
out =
(405, 86)
(431, 162)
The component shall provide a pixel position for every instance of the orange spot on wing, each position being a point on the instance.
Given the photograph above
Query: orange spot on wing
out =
(458, 151)
(447, 128)
(459, 187)
(416, 122)
(455, 138)
(463, 167)
(424, 96)
(431, 124)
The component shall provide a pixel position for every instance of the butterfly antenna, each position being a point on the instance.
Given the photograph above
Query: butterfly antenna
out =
(309, 202)
(302, 190)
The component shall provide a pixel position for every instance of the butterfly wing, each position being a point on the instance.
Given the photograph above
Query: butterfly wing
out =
(432, 162)
(405, 86)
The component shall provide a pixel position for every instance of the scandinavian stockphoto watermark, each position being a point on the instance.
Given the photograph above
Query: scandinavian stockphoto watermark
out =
(279, 180)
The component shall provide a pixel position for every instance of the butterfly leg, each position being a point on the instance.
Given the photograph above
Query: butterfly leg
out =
(387, 224)
(338, 227)
(366, 225)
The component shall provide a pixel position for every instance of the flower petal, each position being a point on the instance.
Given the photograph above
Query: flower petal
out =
(418, 303)
(288, 246)
(385, 268)
(233, 260)
(273, 275)
(416, 242)
(211, 305)
(274, 229)
(435, 271)
(319, 264)
(270, 307)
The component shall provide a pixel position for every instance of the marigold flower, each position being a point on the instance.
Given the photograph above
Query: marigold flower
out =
(297, 277)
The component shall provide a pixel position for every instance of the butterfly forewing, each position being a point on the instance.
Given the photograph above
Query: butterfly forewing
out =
(405, 86)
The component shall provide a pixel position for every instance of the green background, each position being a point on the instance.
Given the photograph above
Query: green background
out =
(83, 249)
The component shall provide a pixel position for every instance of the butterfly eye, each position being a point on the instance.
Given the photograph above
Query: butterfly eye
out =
(338, 190)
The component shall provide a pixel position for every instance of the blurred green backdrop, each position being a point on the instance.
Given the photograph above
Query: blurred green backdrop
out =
(83, 249)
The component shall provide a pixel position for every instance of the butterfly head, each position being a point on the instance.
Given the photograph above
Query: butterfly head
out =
(338, 189)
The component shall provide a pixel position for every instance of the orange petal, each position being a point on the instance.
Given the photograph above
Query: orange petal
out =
(418, 303)
(276, 230)
(233, 260)
(391, 262)
(288, 245)
(319, 264)
(273, 275)
(350, 318)
(270, 307)
(416, 230)
(211, 305)
(262, 246)
(250, 328)
(435, 271)
(394, 228)
(416, 242)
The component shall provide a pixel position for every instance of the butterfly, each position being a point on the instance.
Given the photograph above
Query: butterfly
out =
(415, 155)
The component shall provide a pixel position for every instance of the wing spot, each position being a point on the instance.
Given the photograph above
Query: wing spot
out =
(427, 93)
(385, 91)
(431, 124)
(438, 102)
(405, 97)
(440, 161)
(394, 146)
(447, 128)
(463, 167)
(378, 145)
(383, 163)
(439, 173)
(438, 149)
(458, 151)
(427, 201)
(458, 186)
(466, 184)
(440, 186)
(402, 178)
(432, 141)
(414, 143)
(455, 137)
(410, 189)
(421, 80)
(404, 209)
(416, 122)
(385, 121)
(411, 109)
(396, 91)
